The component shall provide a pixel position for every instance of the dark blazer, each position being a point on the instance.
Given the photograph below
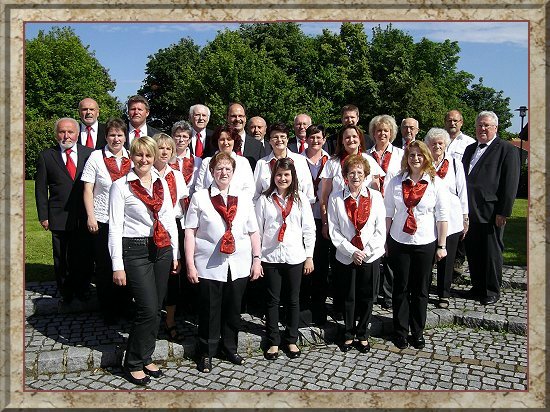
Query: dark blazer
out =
(150, 132)
(101, 136)
(493, 182)
(210, 147)
(59, 199)
(253, 150)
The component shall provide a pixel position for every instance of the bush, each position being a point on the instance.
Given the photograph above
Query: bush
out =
(39, 135)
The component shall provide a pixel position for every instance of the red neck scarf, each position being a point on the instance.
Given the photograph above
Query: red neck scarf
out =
(384, 162)
(284, 213)
(412, 194)
(112, 166)
(161, 237)
(228, 214)
(442, 172)
(171, 181)
(358, 216)
(317, 179)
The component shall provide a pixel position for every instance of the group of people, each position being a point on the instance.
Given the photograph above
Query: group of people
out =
(205, 214)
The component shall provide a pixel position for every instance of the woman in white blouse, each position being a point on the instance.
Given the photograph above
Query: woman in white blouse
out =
(222, 249)
(357, 229)
(103, 167)
(417, 212)
(383, 130)
(143, 243)
(452, 173)
(287, 230)
(178, 193)
(227, 139)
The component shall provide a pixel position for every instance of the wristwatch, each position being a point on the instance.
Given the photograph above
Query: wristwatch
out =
(441, 247)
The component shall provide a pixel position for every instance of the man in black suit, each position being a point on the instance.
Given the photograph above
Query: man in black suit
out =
(199, 116)
(492, 176)
(301, 122)
(409, 129)
(138, 110)
(251, 148)
(257, 128)
(60, 206)
(92, 133)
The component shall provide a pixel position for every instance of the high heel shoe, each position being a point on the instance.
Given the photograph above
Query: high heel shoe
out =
(154, 374)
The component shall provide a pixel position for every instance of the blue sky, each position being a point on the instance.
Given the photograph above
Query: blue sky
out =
(496, 51)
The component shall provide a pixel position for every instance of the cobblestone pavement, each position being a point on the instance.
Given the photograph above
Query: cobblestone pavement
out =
(468, 347)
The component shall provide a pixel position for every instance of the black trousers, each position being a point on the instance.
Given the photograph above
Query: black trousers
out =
(445, 266)
(179, 288)
(360, 284)
(220, 314)
(484, 247)
(72, 261)
(276, 274)
(385, 285)
(112, 298)
(147, 269)
(314, 287)
(412, 268)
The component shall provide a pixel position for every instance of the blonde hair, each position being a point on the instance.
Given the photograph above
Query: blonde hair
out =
(163, 138)
(145, 143)
(427, 167)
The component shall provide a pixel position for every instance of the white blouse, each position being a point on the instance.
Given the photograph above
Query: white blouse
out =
(299, 240)
(333, 170)
(129, 217)
(209, 261)
(96, 172)
(242, 181)
(314, 170)
(341, 229)
(262, 175)
(394, 167)
(196, 167)
(181, 189)
(432, 208)
(456, 183)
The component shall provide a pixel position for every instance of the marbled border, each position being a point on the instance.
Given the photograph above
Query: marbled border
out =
(12, 200)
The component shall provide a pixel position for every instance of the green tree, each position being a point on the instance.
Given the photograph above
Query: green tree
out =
(59, 72)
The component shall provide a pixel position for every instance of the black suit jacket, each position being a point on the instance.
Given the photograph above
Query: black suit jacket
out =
(253, 150)
(210, 148)
(101, 140)
(151, 131)
(59, 199)
(493, 182)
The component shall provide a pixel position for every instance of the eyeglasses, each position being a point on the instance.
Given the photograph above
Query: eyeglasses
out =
(484, 126)
(409, 127)
(182, 137)
(283, 138)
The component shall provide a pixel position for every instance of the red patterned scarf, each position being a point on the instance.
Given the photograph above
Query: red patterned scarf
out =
(284, 213)
(412, 194)
(228, 214)
(358, 216)
(112, 166)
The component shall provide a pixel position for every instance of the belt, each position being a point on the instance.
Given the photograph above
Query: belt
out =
(136, 241)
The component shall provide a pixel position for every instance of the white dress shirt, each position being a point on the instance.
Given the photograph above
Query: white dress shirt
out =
(432, 208)
(129, 217)
(197, 161)
(209, 261)
(74, 154)
(132, 135)
(314, 170)
(243, 139)
(262, 174)
(84, 133)
(455, 181)
(242, 181)
(394, 167)
(96, 172)
(202, 135)
(341, 229)
(333, 170)
(458, 145)
(181, 190)
(478, 153)
(299, 240)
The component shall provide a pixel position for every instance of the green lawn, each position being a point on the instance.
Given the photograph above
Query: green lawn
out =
(38, 244)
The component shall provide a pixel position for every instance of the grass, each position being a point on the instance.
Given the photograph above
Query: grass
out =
(38, 243)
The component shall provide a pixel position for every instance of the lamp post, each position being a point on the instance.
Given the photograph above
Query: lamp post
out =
(522, 113)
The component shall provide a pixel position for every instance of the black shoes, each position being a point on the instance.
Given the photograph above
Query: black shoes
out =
(271, 356)
(363, 348)
(417, 343)
(293, 354)
(346, 347)
(400, 342)
(154, 374)
(489, 300)
(234, 358)
(205, 364)
(136, 381)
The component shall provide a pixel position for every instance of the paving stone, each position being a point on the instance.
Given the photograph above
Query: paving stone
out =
(78, 358)
(50, 361)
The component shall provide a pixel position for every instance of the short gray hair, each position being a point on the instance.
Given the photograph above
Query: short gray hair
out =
(192, 109)
(183, 125)
(76, 125)
(435, 132)
(487, 113)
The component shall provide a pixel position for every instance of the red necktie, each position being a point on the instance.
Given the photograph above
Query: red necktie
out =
(161, 237)
(442, 172)
(89, 141)
(227, 213)
(302, 146)
(112, 167)
(358, 216)
(71, 168)
(199, 148)
(136, 133)
(284, 213)
(412, 194)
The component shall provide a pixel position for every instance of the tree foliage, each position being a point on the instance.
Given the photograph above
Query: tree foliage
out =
(59, 72)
